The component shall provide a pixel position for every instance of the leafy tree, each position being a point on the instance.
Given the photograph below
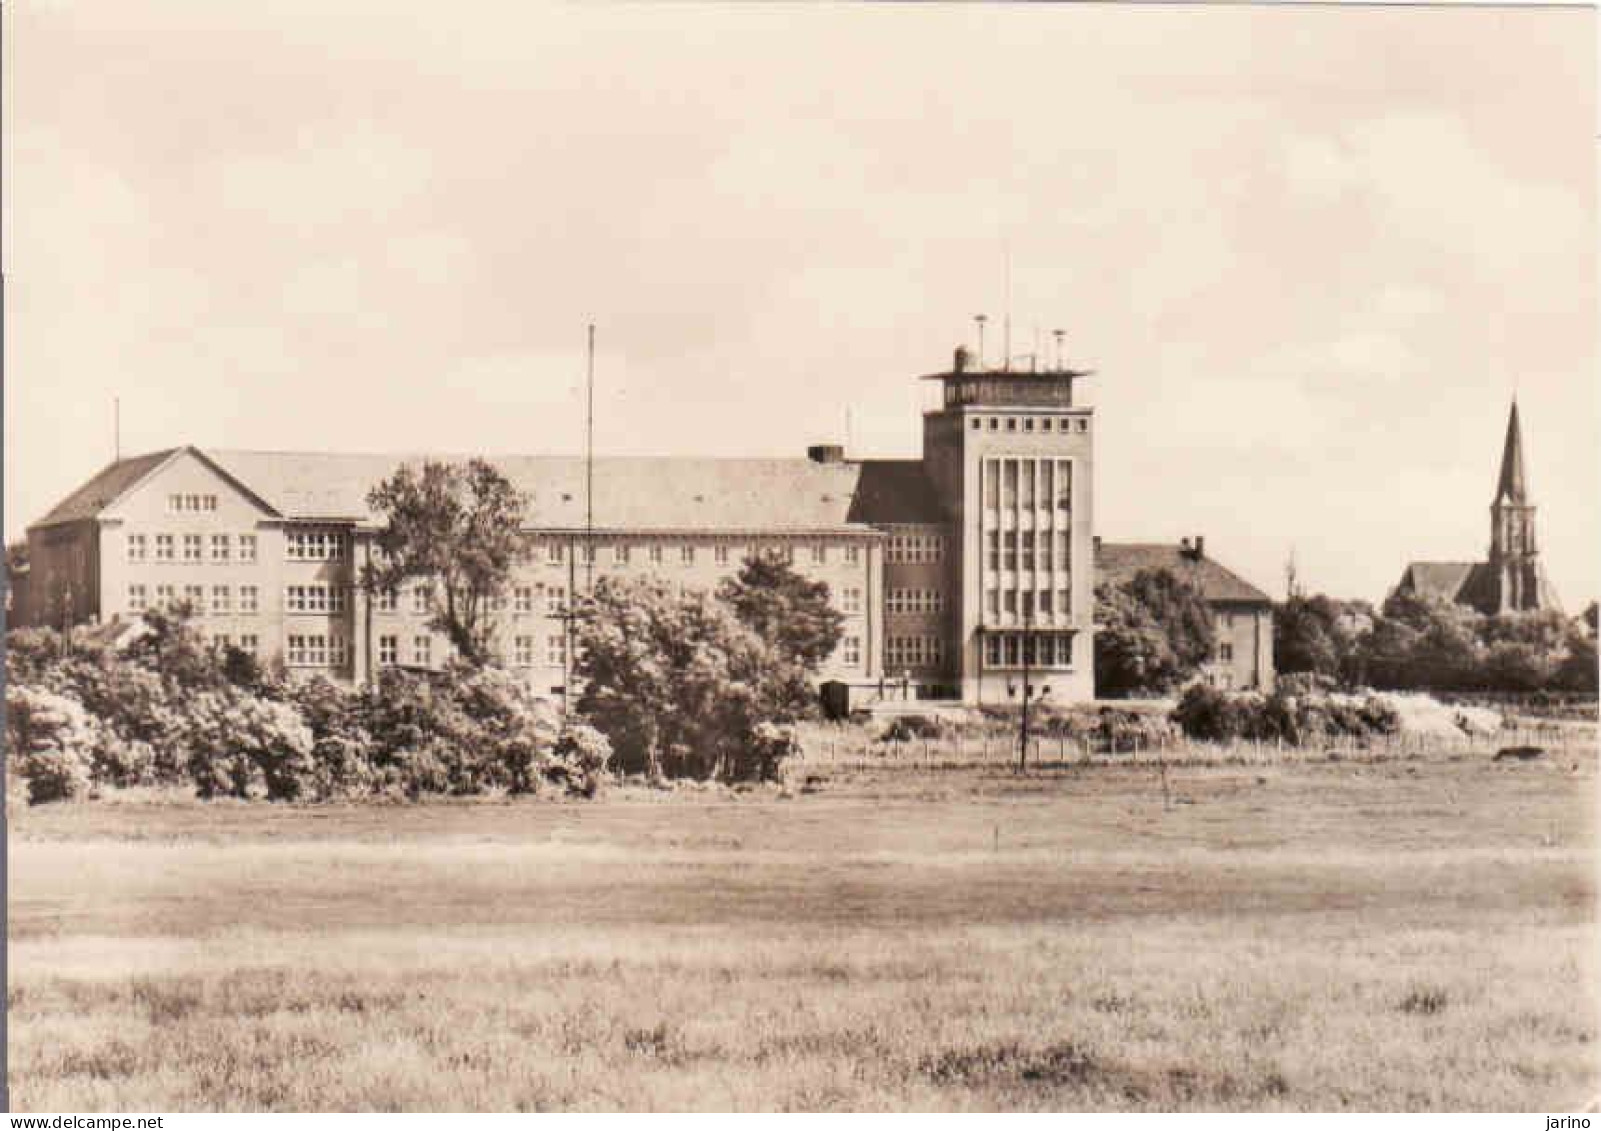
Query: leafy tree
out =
(678, 684)
(177, 651)
(1305, 636)
(457, 525)
(785, 608)
(1153, 632)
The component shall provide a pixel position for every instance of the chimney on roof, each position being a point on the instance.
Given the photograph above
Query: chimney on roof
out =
(959, 362)
(1200, 547)
(1095, 541)
(1184, 544)
(826, 453)
(1193, 548)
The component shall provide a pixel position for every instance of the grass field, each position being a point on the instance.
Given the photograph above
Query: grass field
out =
(1402, 935)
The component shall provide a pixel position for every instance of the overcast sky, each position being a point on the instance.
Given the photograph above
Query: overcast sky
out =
(1310, 252)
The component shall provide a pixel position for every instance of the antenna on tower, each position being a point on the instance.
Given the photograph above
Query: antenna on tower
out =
(1006, 331)
(589, 468)
(1059, 335)
(981, 319)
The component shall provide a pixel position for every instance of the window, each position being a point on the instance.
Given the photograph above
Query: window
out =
(1225, 651)
(913, 651)
(619, 553)
(904, 549)
(1064, 600)
(1011, 424)
(388, 651)
(1028, 424)
(386, 600)
(136, 598)
(1009, 554)
(422, 650)
(1045, 601)
(314, 546)
(853, 555)
(249, 643)
(1026, 537)
(221, 641)
(555, 601)
(992, 602)
(191, 503)
(136, 547)
(316, 650)
(163, 547)
(248, 596)
(420, 595)
(587, 554)
(522, 599)
(850, 599)
(819, 555)
(915, 600)
(1028, 604)
(221, 547)
(686, 555)
(163, 596)
(994, 423)
(556, 650)
(555, 553)
(992, 549)
(850, 651)
(191, 547)
(720, 555)
(221, 600)
(496, 603)
(1064, 486)
(195, 597)
(1009, 599)
(314, 599)
(992, 650)
(523, 654)
(1045, 538)
(247, 547)
(655, 555)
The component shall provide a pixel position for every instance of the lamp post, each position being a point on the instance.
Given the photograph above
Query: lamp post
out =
(1029, 694)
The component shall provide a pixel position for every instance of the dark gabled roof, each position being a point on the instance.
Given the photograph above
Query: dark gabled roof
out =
(106, 487)
(1447, 580)
(629, 493)
(1118, 562)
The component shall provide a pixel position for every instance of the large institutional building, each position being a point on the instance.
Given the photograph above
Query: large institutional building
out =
(1513, 579)
(956, 573)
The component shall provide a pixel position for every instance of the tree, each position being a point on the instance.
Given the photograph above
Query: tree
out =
(457, 525)
(1153, 632)
(1305, 638)
(785, 608)
(677, 684)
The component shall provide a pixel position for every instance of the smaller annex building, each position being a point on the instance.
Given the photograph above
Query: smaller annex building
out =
(1244, 614)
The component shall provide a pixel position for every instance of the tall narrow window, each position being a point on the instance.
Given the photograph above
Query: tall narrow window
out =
(247, 547)
(136, 547)
(221, 547)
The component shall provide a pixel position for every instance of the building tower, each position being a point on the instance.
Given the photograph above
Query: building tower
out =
(1011, 457)
(1519, 576)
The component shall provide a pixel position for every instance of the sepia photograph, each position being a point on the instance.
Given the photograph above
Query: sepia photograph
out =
(800, 557)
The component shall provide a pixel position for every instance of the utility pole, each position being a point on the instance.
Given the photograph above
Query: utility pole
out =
(589, 469)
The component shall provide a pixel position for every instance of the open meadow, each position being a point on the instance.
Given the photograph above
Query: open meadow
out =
(1415, 933)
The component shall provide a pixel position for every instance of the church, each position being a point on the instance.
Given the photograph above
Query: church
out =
(1514, 578)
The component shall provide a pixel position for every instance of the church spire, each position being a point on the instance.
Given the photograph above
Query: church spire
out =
(1511, 488)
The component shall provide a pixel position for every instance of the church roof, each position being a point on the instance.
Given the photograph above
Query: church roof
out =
(1511, 487)
(630, 493)
(1119, 561)
(1448, 580)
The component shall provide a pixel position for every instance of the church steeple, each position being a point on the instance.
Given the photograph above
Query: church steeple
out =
(1511, 488)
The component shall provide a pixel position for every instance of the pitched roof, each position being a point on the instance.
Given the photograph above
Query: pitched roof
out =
(1439, 579)
(1120, 561)
(107, 485)
(1511, 486)
(629, 493)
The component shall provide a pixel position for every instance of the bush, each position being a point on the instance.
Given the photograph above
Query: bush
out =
(771, 744)
(241, 744)
(904, 728)
(581, 759)
(1213, 715)
(51, 742)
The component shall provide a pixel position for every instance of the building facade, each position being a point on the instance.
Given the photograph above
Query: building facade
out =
(958, 573)
(1513, 578)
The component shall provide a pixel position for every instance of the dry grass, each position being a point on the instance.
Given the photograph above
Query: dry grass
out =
(1413, 935)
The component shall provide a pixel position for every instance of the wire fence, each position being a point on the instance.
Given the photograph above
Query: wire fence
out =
(847, 748)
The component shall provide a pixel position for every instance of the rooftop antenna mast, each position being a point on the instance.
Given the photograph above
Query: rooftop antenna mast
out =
(589, 468)
(1059, 335)
(981, 319)
(1006, 325)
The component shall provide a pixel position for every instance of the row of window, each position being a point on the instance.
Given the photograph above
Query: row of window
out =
(1014, 650)
(912, 549)
(224, 547)
(1027, 549)
(622, 553)
(314, 599)
(314, 546)
(248, 642)
(317, 650)
(1013, 484)
(1030, 423)
(913, 652)
(914, 601)
(1027, 602)
(184, 504)
(222, 598)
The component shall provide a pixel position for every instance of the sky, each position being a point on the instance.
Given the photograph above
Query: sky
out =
(1310, 253)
